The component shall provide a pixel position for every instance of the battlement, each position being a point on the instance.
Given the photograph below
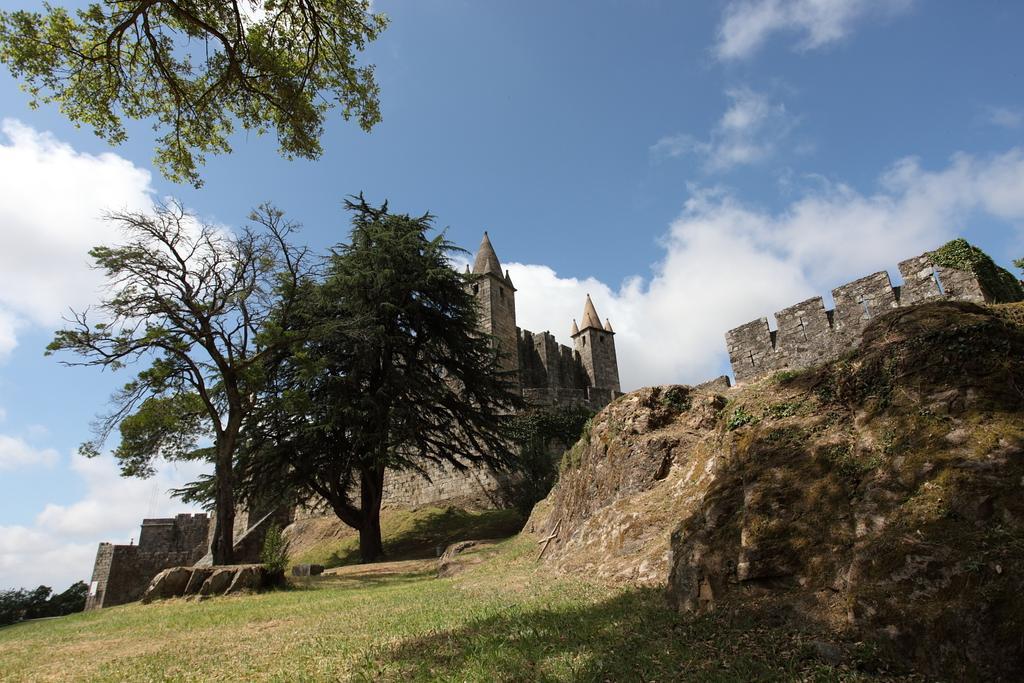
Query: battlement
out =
(122, 572)
(551, 373)
(807, 334)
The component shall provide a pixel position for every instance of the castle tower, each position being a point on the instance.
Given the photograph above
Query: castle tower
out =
(497, 301)
(596, 346)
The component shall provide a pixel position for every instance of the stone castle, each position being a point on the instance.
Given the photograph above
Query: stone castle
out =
(547, 373)
(807, 334)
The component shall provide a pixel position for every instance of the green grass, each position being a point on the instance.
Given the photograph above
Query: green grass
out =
(504, 620)
(412, 534)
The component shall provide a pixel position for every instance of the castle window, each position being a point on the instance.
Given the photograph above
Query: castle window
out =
(476, 289)
(584, 341)
(501, 291)
(601, 338)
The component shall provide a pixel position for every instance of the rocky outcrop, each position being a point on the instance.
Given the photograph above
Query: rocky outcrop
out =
(170, 583)
(178, 582)
(877, 497)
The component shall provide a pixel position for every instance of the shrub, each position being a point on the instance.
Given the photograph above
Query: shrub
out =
(739, 418)
(275, 553)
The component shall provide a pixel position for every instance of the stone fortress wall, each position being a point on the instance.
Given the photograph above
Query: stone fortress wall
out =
(808, 334)
(122, 572)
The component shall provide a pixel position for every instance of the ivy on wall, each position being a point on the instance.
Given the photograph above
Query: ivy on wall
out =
(541, 434)
(999, 284)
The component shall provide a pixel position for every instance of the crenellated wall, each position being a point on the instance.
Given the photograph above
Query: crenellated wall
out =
(546, 364)
(807, 334)
(122, 572)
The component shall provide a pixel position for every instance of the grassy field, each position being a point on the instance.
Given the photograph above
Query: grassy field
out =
(407, 534)
(505, 619)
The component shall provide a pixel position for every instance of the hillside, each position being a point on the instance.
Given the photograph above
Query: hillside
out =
(505, 619)
(873, 499)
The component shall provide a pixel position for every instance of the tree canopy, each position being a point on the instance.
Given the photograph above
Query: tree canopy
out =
(16, 605)
(192, 304)
(388, 371)
(196, 69)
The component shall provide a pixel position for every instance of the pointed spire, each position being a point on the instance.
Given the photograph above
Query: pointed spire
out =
(486, 260)
(508, 279)
(608, 326)
(590, 317)
(575, 328)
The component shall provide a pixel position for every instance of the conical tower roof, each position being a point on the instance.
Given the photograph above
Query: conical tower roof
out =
(575, 328)
(486, 260)
(608, 325)
(590, 317)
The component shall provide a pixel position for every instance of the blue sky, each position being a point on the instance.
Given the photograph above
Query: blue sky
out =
(691, 165)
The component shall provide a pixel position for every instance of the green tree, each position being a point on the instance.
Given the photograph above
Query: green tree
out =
(193, 300)
(16, 605)
(199, 68)
(388, 371)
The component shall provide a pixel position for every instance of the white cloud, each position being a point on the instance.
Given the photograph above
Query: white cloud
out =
(1005, 117)
(749, 132)
(51, 207)
(726, 262)
(748, 24)
(15, 453)
(96, 515)
(60, 547)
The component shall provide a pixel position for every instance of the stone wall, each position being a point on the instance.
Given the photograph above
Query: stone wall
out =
(473, 488)
(807, 334)
(546, 364)
(183, 533)
(122, 572)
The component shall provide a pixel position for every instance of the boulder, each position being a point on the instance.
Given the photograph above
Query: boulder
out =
(248, 579)
(219, 581)
(170, 583)
(199, 577)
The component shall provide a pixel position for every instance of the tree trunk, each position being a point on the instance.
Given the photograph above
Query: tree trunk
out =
(223, 544)
(371, 486)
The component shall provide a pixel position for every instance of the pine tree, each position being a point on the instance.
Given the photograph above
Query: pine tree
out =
(388, 371)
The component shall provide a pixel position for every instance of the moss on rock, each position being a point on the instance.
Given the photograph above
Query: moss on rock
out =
(999, 284)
